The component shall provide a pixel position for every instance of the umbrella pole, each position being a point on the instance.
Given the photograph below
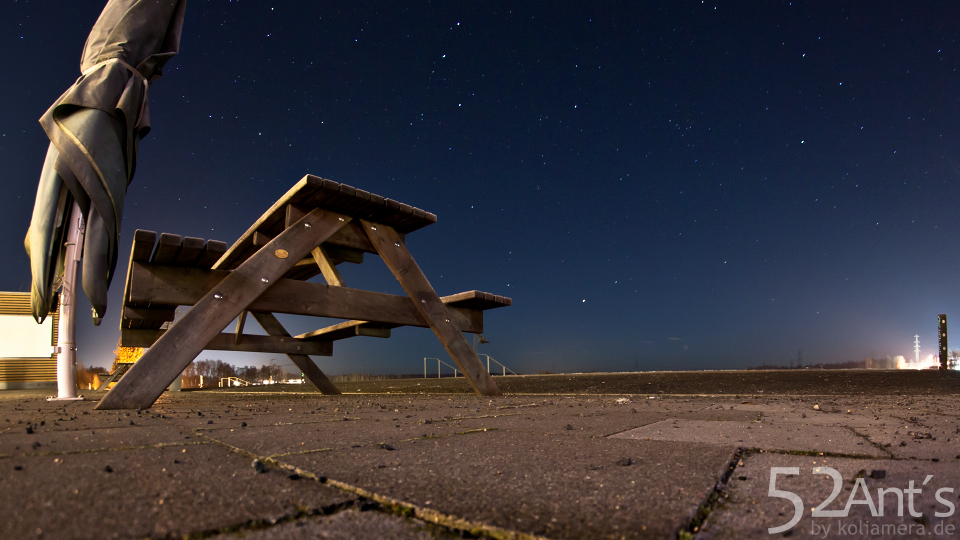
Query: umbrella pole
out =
(67, 341)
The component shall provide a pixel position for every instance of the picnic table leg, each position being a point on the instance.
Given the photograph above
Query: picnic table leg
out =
(306, 364)
(394, 253)
(172, 353)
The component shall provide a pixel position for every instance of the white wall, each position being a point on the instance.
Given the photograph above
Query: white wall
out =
(22, 337)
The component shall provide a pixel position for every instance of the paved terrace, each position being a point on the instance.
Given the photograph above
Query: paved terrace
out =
(649, 455)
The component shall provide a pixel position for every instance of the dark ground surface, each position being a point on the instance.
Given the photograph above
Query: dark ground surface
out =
(785, 382)
(650, 455)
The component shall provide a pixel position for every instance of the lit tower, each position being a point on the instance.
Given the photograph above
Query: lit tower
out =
(942, 327)
(916, 347)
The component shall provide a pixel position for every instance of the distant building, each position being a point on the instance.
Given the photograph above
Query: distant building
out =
(27, 358)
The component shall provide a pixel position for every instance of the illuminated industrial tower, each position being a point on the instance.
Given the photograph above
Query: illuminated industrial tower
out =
(916, 347)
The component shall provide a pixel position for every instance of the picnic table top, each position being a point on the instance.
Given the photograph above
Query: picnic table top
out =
(310, 192)
(314, 192)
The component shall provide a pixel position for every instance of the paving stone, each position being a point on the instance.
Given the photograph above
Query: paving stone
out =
(784, 436)
(147, 493)
(44, 441)
(272, 440)
(552, 485)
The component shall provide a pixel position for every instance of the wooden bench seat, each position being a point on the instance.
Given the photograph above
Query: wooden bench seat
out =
(317, 225)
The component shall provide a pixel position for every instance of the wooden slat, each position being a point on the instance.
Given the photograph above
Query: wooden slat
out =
(313, 373)
(136, 313)
(212, 251)
(374, 210)
(167, 358)
(143, 242)
(261, 239)
(477, 300)
(226, 342)
(360, 199)
(167, 248)
(394, 253)
(293, 213)
(186, 286)
(326, 267)
(324, 190)
(190, 250)
(349, 329)
(238, 333)
(140, 251)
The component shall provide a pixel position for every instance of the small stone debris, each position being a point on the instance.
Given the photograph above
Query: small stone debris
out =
(29, 430)
(385, 446)
(568, 427)
(624, 462)
(209, 421)
(804, 415)
(176, 462)
(243, 424)
(878, 474)
(903, 443)
(622, 401)
(294, 476)
(108, 469)
(259, 467)
(131, 423)
(36, 444)
(816, 407)
(18, 467)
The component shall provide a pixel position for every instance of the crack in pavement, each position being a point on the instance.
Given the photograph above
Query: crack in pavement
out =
(387, 504)
(704, 509)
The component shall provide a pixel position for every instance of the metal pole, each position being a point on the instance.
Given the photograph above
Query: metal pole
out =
(424, 367)
(488, 363)
(438, 368)
(66, 340)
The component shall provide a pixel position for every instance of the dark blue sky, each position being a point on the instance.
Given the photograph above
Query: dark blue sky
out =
(686, 185)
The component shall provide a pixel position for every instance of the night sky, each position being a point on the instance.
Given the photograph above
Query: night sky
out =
(683, 185)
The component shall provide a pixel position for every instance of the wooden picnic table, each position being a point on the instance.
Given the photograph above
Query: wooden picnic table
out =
(315, 226)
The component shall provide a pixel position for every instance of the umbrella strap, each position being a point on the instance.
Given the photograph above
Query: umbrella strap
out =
(131, 69)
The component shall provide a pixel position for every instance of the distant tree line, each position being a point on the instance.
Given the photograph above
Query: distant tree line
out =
(214, 370)
(852, 364)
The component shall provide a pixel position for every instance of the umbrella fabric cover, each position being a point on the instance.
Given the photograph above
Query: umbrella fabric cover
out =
(95, 130)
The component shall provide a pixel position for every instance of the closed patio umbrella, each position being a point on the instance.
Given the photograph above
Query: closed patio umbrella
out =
(95, 129)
